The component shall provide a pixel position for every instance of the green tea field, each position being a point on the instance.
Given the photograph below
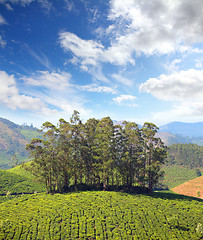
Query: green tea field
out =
(101, 215)
(177, 175)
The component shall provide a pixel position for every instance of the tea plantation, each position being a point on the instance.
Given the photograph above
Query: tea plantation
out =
(18, 182)
(101, 215)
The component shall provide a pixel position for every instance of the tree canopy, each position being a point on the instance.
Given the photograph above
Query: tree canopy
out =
(97, 153)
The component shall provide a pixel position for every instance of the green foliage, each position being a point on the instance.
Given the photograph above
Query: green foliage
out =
(188, 155)
(20, 170)
(199, 229)
(101, 215)
(96, 152)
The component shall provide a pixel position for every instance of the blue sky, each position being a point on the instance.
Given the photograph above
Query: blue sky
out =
(130, 60)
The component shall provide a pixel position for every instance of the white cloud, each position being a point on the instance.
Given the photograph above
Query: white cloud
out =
(2, 42)
(57, 92)
(2, 20)
(39, 57)
(159, 26)
(127, 100)
(43, 3)
(198, 63)
(88, 51)
(184, 89)
(9, 95)
(96, 88)
(140, 27)
(181, 86)
(173, 66)
(8, 6)
(123, 80)
(183, 111)
(58, 81)
(22, 2)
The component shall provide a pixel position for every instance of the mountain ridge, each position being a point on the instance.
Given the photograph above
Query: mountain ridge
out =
(185, 129)
(13, 139)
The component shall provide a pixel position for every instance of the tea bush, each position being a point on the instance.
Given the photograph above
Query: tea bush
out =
(101, 215)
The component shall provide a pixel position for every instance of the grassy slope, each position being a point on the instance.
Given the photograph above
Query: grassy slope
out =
(21, 171)
(101, 215)
(191, 188)
(17, 180)
(176, 175)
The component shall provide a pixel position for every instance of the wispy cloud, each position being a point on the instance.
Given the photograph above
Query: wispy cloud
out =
(99, 89)
(123, 80)
(51, 80)
(22, 2)
(88, 51)
(2, 42)
(127, 100)
(39, 57)
(2, 20)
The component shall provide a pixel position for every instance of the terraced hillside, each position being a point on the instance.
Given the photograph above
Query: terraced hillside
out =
(101, 215)
(18, 181)
(177, 175)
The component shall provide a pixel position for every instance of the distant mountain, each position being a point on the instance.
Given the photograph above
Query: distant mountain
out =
(192, 130)
(13, 139)
(169, 138)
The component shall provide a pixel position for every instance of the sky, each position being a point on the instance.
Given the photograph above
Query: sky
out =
(134, 60)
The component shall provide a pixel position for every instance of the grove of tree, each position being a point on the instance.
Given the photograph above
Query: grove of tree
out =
(97, 153)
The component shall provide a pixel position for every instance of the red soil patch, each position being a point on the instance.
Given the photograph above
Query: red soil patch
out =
(192, 188)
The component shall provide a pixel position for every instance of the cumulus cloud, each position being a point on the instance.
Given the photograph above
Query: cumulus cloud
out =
(140, 27)
(125, 100)
(181, 86)
(159, 26)
(9, 95)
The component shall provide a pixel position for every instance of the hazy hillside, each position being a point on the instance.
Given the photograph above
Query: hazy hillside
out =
(185, 129)
(169, 138)
(13, 139)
